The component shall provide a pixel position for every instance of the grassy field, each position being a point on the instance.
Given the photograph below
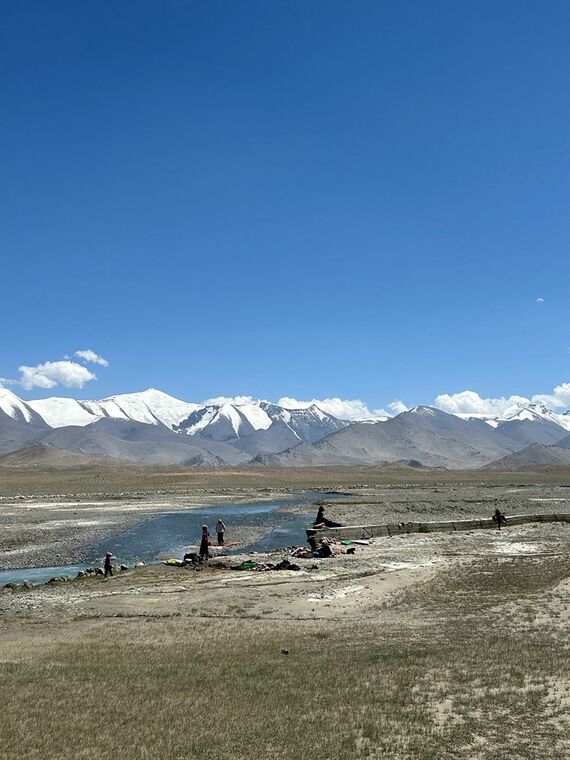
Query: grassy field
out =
(472, 663)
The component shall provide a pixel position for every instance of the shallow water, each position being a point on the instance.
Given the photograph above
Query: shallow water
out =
(170, 534)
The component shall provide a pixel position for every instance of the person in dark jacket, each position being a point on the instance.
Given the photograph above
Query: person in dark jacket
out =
(320, 519)
(108, 566)
(205, 543)
(499, 518)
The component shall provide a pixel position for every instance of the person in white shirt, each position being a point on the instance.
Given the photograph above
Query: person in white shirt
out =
(220, 530)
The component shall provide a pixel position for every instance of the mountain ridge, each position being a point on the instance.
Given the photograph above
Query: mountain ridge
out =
(153, 427)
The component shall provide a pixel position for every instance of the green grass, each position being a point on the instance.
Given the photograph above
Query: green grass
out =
(468, 665)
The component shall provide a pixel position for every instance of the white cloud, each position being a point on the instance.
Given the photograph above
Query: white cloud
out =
(540, 300)
(343, 409)
(470, 402)
(558, 399)
(49, 374)
(398, 406)
(237, 400)
(91, 356)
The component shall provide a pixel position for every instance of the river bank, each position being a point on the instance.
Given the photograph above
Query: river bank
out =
(63, 531)
(54, 530)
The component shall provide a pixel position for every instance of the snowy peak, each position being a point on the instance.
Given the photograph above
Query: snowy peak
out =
(226, 422)
(537, 413)
(312, 423)
(424, 411)
(223, 422)
(529, 411)
(523, 412)
(152, 407)
(426, 414)
(18, 410)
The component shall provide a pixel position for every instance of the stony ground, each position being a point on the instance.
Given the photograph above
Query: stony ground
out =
(445, 501)
(48, 529)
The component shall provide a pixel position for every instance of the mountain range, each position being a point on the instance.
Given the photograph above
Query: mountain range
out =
(152, 427)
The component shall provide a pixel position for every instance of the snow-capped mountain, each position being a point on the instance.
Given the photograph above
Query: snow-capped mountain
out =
(226, 433)
(534, 413)
(151, 407)
(155, 428)
(223, 422)
(259, 426)
(18, 410)
(229, 421)
(526, 411)
(216, 422)
(527, 423)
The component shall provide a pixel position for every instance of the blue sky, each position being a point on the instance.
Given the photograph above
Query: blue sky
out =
(361, 199)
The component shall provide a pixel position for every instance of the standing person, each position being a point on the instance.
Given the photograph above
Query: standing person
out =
(220, 530)
(205, 543)
(499, 518)
(108, 566)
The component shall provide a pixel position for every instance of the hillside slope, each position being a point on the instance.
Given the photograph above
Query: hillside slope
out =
(424, 434)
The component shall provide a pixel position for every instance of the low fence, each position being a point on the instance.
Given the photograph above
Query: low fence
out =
(395, 529)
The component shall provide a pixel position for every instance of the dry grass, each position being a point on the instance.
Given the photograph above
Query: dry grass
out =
(471, 664)
(127, 477)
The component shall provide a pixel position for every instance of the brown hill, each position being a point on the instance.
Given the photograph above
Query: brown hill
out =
(536, 456)
(42, 456)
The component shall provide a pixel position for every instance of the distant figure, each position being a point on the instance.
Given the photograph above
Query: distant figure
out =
(220, 530)
(499, 518)
(322, 520)
(108, 566)
(205, 543)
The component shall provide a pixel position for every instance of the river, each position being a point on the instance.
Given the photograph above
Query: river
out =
(170, 533)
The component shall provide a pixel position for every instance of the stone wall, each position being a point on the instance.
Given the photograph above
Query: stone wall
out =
(395, 529)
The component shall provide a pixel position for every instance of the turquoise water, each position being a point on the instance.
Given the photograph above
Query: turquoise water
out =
(170, 534)
(39, 574)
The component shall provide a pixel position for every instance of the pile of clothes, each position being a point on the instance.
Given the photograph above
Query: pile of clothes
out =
(321, 552)
(260, 567)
